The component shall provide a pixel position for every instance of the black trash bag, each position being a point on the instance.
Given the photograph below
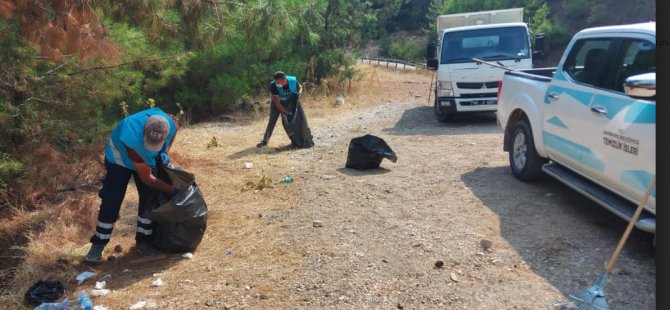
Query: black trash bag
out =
(367, 152)
(179, 223)
(44, 291)
(297, 129)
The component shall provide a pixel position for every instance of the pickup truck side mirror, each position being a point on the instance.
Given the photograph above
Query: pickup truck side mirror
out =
(641, 86)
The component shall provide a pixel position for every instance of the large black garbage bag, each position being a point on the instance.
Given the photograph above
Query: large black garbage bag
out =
(179, 223)
(367, 152)
(44, 291)
(297, 129)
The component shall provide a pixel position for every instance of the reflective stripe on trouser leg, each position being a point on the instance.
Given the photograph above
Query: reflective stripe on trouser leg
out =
(111, 194)
(147, 197)
(103, 231)
(144, 230)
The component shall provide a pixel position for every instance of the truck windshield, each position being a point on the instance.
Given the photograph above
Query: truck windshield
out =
(503, 43)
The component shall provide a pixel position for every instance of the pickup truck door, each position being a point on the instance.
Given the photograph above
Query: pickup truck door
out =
(567, 103)
(622, 130)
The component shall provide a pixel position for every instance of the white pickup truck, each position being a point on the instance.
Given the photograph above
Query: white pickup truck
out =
(591, 121)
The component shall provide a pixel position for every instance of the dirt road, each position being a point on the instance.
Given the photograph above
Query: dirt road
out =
(450, 197)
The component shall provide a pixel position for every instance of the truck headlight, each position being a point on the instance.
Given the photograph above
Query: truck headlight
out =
(446, 93)
(444, 89)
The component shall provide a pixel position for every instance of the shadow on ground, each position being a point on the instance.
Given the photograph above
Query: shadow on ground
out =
(128, 267)
(355, 173)
(565, 237)
(421, 121)
(261, 150)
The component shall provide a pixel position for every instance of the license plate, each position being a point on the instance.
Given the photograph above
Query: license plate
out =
(483, 102)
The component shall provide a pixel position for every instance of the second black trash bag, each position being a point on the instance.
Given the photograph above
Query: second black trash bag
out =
(297, 129)
(178, 224)
(367, 152)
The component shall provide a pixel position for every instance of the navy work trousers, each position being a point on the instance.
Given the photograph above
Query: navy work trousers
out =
(112, 193)
(289, 105)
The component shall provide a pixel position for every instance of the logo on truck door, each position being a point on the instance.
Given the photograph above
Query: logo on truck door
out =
(621, 142)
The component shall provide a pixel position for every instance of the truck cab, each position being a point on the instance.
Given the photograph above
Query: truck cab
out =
(463, 84)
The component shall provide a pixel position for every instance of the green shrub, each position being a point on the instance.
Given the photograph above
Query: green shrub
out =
(10, 169)
(599, 14)
(577, 9)
(407, 50)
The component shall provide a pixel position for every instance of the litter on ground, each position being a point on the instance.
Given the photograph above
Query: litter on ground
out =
(84, 275)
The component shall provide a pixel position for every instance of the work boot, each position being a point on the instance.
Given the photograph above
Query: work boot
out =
(95, 253)
(145, 249)
(262, 144)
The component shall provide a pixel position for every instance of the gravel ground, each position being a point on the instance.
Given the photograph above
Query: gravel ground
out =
(450, 198)
(445, 227)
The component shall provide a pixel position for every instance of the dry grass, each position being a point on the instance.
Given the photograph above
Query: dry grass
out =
(247, 222)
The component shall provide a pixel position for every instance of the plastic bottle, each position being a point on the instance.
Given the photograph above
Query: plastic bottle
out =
(85, 302)
(286, 180)
(54, 305)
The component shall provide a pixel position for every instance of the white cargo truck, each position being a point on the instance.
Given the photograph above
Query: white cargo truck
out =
(463, 84)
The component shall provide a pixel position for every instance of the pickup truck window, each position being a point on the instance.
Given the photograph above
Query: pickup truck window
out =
(503, 43)
(587, 62)
(636, 57)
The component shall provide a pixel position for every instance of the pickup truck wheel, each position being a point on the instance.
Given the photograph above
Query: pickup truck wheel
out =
(441, 116)
(526, 164)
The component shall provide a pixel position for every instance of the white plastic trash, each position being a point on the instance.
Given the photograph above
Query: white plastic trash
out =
(99, 307)
(188, 255)
(248, 165)
(158, 282)
(100, 292)
(138, 305)
(83, 276)
(100, 285)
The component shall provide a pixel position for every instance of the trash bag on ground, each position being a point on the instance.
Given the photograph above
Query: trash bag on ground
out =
(367, 152)
(297, 129)
(44, 291)
(179, 223)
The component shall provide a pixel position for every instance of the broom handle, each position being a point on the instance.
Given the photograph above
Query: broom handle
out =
(633, 220)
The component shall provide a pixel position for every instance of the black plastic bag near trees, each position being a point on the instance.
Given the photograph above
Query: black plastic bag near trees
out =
(44, 291)
(179, 223)
(297, 129)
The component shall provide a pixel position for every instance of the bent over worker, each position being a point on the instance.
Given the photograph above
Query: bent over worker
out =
(133, 149)
(286, 91)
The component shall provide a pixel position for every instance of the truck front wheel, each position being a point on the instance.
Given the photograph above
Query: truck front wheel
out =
(526, 164)
(442, 116)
